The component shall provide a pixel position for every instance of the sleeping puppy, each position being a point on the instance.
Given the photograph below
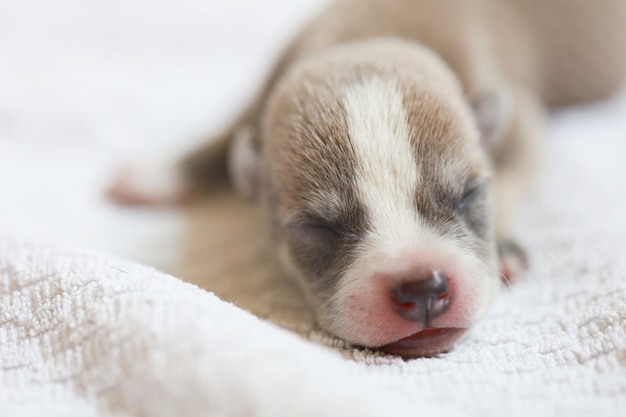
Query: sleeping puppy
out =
(391, 146)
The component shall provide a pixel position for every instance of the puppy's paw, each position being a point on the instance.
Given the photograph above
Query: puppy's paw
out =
(513, 261)
(149, 184)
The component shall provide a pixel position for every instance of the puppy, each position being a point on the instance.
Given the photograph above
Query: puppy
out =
(393, 142)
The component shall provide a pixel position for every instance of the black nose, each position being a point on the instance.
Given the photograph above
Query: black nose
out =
(424, 299)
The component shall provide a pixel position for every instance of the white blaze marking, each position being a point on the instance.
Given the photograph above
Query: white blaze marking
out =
(387, 178)
(387, 173)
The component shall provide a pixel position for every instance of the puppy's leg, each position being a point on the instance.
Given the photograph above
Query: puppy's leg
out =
(207, 164)
(234, 157)
(516, 156)
(231, 155)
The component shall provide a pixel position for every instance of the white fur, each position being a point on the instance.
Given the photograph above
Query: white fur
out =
(387, 172)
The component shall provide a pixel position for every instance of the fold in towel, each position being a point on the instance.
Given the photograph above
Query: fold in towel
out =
(82, 333)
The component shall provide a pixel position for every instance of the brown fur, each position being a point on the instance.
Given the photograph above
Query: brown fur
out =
(446, 57)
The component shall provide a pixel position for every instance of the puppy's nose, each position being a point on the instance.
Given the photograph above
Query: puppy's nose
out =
(423, 299)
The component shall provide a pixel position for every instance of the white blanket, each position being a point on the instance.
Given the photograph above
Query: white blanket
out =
(84, 333)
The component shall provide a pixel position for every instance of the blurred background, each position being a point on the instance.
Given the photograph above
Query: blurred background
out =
(86, 85)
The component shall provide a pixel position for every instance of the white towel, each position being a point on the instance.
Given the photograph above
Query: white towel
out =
(83, 333)
(87, 334)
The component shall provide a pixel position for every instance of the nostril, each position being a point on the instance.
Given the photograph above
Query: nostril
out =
(424, 299)
(435, 285)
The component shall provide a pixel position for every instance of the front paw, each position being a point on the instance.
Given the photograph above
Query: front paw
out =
(513, 261)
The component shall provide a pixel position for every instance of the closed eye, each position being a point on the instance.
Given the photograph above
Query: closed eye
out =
(471, 194)
(314, 245)
(316, 228)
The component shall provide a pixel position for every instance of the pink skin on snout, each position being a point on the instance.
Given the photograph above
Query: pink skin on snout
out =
(369, 315)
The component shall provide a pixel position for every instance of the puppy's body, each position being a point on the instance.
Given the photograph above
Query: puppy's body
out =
(392, 143)
(565, 51)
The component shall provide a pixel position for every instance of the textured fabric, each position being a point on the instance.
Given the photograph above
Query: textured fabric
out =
(85, 333)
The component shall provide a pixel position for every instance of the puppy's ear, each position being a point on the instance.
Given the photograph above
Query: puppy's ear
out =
(243, 162)
(493, 110)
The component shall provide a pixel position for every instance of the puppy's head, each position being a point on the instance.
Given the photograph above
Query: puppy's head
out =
(378, 196)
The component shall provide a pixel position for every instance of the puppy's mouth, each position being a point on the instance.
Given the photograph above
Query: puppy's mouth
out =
(426, 342)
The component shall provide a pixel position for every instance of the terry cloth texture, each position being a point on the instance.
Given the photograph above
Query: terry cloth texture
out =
(85, 333)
